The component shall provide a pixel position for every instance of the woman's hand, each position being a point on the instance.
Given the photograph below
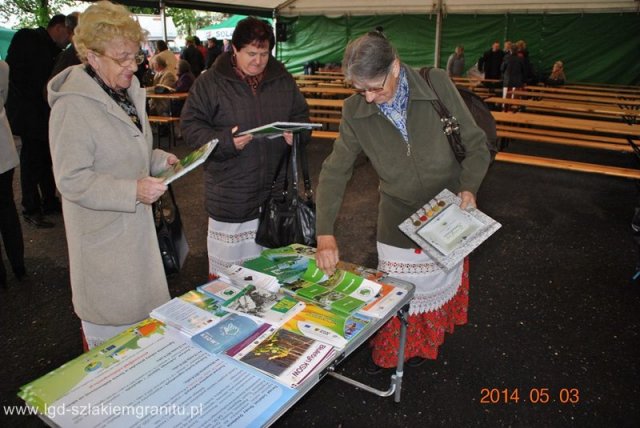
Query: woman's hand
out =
(241, 141)
(468, 200)
(149, 189)
(288, 137)
(327, 254)
(172, 159)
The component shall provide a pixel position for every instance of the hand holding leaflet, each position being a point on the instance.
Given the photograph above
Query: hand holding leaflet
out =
(188, 163)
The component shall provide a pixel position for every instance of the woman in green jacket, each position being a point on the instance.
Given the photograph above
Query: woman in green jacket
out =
(392, 120)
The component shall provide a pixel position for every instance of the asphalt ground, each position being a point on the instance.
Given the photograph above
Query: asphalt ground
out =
(552, 338)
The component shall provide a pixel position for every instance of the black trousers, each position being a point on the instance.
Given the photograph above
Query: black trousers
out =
(36, 176)
(10, 226)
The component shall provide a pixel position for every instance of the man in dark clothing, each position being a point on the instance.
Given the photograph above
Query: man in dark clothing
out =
(69, 56)
(193, 56)
(213, 50)
(31, 56)
(491, 61)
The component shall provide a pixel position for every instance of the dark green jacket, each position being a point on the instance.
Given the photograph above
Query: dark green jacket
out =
(406, 182)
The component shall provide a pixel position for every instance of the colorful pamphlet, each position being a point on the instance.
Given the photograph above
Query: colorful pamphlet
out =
(270, 308)
(227, 333)
(219, 289)
(286, 356)
(184, 317)
(388, 297)
(188, 163)
(242, 276)
(204, 301)
(317, 323)
(447, 232)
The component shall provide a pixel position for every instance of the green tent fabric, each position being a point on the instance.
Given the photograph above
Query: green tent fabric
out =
(5, 39)
(598, 47)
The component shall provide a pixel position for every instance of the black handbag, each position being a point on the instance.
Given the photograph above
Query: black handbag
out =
(286, 217)
(171, 238)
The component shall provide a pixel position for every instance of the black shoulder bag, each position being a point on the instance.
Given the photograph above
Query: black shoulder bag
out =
(171, 238)
(286, 217)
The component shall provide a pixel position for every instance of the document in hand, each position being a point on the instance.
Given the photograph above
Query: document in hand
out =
(276, 129)
(188, 163)
(445, 231)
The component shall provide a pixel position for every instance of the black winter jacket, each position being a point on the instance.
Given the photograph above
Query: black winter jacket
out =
(238, 182)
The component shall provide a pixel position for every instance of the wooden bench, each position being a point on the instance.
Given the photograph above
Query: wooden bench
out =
(165, 120)
(580, 98)
(559, 106)
(325, 135)
(556, 122)
(568, 165)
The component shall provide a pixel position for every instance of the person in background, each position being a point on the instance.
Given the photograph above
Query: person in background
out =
(213, 50)
(69, 56)
(226, 45)
(391, 120)
(455, 64)
(164, 80)
(513, 74)
(10, 228)
(184, 83)
(557, 77)
(31, 56)
(103, 162)
(201, 49)
(243, 89)
(490, 62)
(193, 56)
(165, 53)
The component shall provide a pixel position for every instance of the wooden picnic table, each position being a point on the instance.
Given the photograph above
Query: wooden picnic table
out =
(613, 128)
(567, 107)
(621, 90)
(581, 98)
(317, 77)
(325, 102)
(327, 90)
(561, 90)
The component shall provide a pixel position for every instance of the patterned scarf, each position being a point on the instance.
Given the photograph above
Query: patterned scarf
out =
(396, 109)
(252, 81)
(120, 97)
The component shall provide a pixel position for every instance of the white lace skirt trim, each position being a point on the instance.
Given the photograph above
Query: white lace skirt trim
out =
(231, 243)
(434, 286)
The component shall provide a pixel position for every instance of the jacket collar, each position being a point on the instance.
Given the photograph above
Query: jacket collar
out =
(418, 91)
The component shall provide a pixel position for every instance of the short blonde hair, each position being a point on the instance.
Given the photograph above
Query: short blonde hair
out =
(102, 23)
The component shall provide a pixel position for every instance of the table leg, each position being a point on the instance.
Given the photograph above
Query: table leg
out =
(404, 322)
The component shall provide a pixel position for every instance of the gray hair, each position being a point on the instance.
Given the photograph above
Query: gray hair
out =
(368, 57)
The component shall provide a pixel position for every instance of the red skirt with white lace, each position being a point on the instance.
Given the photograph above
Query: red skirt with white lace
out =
(426, 330)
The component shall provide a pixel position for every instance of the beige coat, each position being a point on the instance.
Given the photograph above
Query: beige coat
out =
(8, 153)
(98, 155)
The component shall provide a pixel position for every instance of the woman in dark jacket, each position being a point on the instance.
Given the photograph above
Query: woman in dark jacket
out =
(244, 89)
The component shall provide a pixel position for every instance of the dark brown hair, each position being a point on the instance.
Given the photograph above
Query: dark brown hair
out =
(252, 31)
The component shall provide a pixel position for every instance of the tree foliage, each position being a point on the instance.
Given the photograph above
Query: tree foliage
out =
(31, 13)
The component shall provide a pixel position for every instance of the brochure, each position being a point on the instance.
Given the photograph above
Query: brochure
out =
(317, 323)
(204, 301)
(228, 332)
(184, 317)
(276, 129)
(188, 163)
(288, 357)
(270, 308)
(220, 289)
(388, 297)
(445, 231)
(242, 276)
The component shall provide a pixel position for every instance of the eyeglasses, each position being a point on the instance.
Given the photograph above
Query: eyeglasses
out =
(126, 62)
(373, 90)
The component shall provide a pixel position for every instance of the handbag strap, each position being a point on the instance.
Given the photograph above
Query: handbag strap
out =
(450, 125)
(304, 162)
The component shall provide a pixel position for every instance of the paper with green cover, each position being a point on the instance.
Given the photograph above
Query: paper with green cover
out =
(188, 163)
(276, 129)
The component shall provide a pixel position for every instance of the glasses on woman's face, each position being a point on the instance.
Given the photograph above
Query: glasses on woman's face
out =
(375, 90)
(125, 62)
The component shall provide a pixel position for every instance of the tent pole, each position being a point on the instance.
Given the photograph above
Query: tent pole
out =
(164, 20)
(436, 53)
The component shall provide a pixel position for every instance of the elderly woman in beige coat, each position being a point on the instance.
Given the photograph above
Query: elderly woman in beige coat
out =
(101, 147)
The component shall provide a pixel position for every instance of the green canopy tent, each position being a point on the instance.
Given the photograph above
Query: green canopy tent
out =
(6, 35)
(222, 30)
